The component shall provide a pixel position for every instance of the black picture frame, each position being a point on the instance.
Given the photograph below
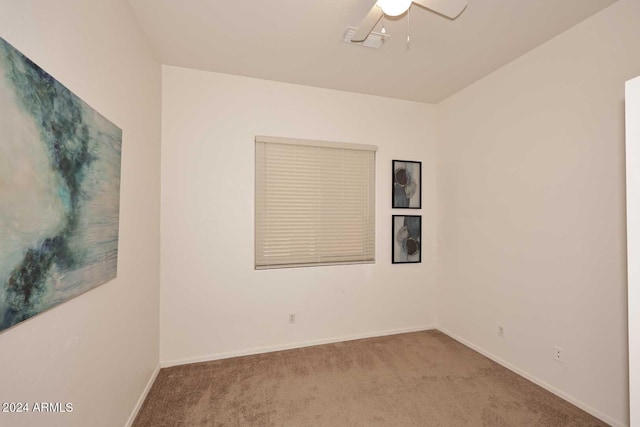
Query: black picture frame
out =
(406, 239)
(406, 182)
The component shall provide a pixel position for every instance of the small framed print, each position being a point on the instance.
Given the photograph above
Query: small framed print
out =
(407, 184)
(406, 239)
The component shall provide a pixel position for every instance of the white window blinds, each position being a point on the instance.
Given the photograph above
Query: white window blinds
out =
(315, 203)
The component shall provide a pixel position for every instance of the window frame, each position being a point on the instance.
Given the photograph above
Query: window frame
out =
(368, 253)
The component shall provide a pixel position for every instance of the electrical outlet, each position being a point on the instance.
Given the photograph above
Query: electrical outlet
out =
(557, 354)
(501, 331)
(292, 318)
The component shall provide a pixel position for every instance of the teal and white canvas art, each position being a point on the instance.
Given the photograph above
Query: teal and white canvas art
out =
(59, 191)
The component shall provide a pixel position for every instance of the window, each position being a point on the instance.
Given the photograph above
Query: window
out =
(315, 203)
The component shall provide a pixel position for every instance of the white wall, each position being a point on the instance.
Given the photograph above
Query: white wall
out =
(531, 217)
(213, 301)
(98, 350)
(632, 102)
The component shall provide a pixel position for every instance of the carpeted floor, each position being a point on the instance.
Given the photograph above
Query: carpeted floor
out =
(416, 379)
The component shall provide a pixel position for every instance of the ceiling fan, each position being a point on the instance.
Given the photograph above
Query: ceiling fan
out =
(449, 8)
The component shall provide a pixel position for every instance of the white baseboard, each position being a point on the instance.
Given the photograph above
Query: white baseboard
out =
(607, 419)
(143, 396)
(291, 346)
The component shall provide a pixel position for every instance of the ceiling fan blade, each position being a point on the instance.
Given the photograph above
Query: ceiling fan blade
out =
(367, 25)
(449, 8)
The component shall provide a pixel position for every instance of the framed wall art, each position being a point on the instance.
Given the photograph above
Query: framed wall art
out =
(406, 239)
(407, 184)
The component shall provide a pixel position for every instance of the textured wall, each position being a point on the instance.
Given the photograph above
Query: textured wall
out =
(531, 223)
(98, 350)
(213, 301)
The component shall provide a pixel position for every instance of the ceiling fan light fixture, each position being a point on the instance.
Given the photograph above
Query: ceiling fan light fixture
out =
(394, 7)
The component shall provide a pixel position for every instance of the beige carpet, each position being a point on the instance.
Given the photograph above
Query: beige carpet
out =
(416, 379)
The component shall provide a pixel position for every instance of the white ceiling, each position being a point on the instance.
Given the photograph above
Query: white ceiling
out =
(299, 41)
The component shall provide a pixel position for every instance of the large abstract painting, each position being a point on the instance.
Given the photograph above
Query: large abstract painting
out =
(59, 191)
